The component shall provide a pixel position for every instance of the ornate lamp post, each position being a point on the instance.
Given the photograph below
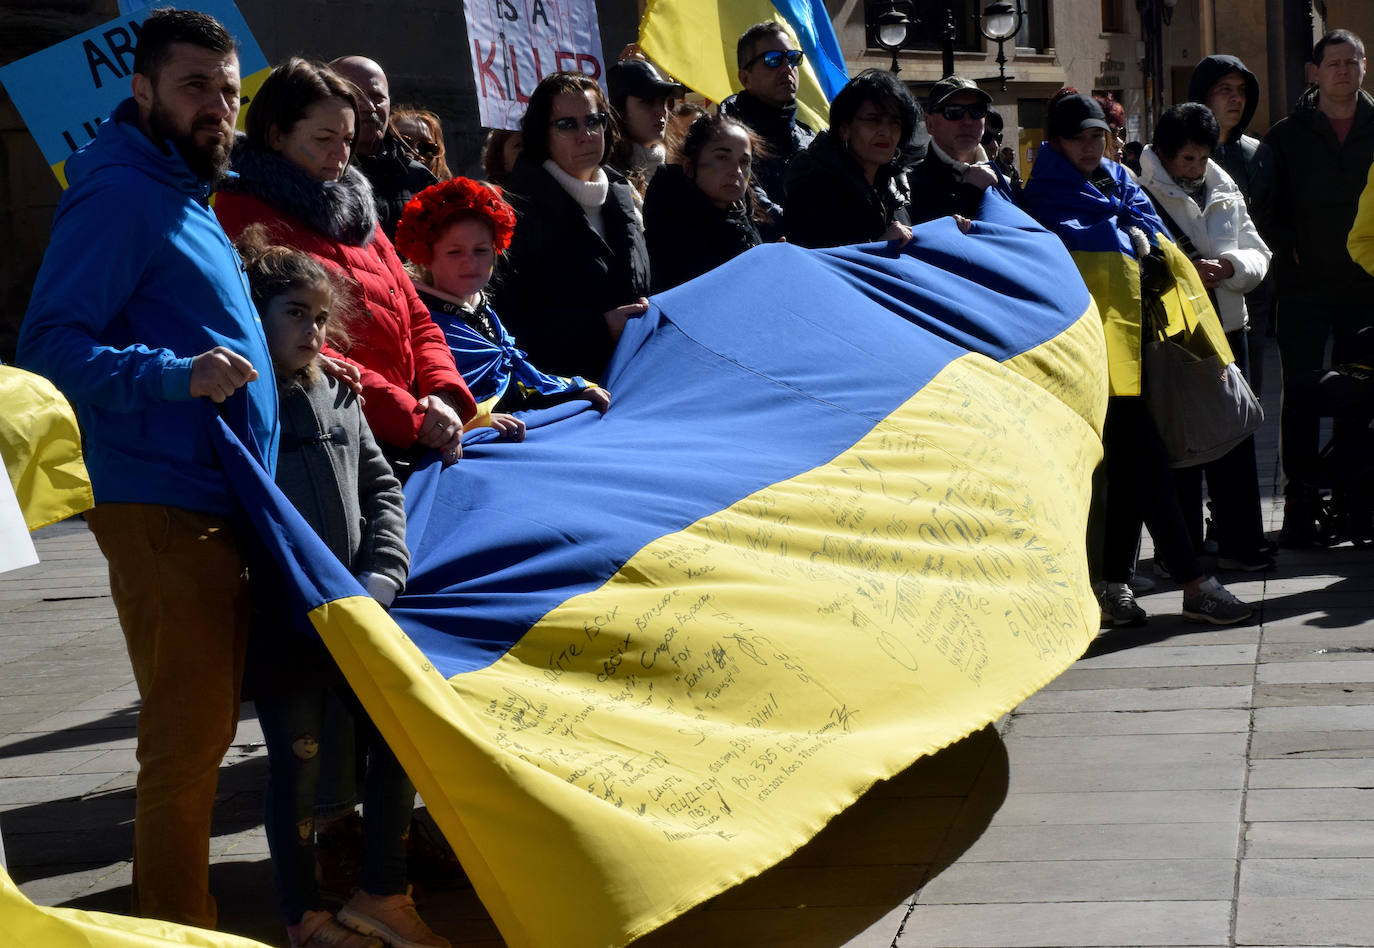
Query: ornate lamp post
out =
(1000, 22)
(894, 26)
(895, 23)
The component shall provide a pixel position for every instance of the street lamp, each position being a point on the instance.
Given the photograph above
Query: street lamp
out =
(894, 26)
(999, 23)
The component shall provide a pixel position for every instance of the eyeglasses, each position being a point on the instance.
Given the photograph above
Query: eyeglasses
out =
(422, 146)
(593, 122)
(955, 112)
(776, 57)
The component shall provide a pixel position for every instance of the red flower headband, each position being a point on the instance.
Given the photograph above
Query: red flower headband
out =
(429, 213)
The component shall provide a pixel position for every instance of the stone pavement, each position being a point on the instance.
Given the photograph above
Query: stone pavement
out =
(1179, 785)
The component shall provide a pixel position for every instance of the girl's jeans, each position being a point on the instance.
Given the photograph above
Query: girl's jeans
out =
(293, 722)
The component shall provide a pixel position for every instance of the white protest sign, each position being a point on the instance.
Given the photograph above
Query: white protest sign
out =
(515, 43)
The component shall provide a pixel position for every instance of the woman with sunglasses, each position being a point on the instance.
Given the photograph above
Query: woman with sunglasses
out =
(423, 134)
(577, 268)
(296, 177)
(849, 186)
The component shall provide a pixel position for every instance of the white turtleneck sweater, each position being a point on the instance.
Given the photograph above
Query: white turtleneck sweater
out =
(589, 195)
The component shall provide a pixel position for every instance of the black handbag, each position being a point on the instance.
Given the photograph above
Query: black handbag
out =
(1202, 406)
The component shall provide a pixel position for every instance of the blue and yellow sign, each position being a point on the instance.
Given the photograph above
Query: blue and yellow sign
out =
(64, 92)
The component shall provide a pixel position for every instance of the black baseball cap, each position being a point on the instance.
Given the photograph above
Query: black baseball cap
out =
(639, 78)
(1073, 114)
(948, 86)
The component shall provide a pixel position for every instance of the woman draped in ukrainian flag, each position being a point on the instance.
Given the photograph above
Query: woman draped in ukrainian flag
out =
(1113, 234)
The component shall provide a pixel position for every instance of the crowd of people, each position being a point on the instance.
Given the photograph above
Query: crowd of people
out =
(353, 307)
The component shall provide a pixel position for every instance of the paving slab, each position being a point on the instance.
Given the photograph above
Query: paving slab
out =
(1305, 694)
(1136, 699)
(1061, 924)
(1308, 772)
(1074, 841)
(1108, 880)
(1179, 676)
(1316, 718)
(1341, 670)
(1087, 723)
(1122, 806)
(1304, 921)
(1296, 744)
(1128, 762)
(1320, 878)
(1327, 803)
(1293, 839)
(1167, 656)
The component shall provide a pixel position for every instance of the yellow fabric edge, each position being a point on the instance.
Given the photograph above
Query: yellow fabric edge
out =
(26, 925)
(40, 443)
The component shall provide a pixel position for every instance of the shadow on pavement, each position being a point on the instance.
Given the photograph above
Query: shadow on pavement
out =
(875, 855)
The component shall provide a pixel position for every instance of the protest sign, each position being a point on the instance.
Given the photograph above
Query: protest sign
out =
(515, 43)
(64, 92)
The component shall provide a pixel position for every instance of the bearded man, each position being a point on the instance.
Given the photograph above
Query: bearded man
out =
(143, 317)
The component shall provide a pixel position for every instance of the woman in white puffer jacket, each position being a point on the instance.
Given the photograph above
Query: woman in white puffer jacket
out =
(1206, 215)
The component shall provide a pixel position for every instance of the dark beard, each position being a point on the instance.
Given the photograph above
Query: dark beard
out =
(207, 162)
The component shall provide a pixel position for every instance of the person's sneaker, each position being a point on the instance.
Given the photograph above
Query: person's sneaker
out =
(392, 918)
(1255, 561)
(1119, 606)
(318, 929)
(1214, 603)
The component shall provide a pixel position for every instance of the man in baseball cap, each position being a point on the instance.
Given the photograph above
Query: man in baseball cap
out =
(956, 171)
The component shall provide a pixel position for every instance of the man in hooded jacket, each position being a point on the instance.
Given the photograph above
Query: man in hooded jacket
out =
(1322, 154)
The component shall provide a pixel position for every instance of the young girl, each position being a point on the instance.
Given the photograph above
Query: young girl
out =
(452, 233)
(332, 470)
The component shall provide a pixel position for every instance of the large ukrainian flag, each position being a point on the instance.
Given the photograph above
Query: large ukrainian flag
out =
(833, 521)
(695, 41)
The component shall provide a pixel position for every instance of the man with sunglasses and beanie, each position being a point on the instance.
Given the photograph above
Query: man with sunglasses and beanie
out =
(769, 61)
(393, 169)
(142, 317)
(956, 170)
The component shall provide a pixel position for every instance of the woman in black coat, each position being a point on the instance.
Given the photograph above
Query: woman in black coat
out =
(849, 186)
(577, 267)
(698, 215)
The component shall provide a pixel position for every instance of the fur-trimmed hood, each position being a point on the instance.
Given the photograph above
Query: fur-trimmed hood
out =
(341, 210)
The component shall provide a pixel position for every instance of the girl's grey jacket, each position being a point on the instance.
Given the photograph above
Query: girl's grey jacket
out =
(330, 468)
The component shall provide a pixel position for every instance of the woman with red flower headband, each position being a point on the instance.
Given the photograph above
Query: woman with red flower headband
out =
(452, 232)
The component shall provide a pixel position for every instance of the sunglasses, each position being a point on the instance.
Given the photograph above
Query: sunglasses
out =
(422, 146)
(955, 112)
(776, 57)
(593, 122)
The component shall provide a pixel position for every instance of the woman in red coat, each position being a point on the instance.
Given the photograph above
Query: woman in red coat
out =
(294, 177)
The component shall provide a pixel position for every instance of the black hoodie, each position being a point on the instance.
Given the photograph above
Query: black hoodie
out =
(1246, 159)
